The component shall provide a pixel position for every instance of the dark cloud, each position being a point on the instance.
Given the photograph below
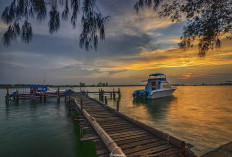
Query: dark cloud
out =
(63, 61)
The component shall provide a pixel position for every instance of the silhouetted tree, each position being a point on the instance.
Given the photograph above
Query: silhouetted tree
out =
(20, 12)
(207, 20)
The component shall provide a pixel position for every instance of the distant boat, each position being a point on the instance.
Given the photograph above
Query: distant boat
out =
(157, 87)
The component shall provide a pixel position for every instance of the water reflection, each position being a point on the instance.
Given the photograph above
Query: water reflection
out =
(157, 108)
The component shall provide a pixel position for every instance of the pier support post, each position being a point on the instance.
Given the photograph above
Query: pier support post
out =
(45, 97)
(58, 94)
(105, 100)
(99, 94)
(17, 96)
(117, 105)
(102, 98)
(33, 99)
(113, 94)
(119, 93)
(40, 97)
(110, 95)
(7, 95)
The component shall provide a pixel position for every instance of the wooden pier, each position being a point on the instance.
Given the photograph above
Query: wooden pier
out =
(116, 134)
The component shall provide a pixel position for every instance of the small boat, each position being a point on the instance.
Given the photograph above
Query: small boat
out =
(157, 87)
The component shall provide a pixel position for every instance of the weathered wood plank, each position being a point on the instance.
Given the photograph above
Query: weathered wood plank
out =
(138, 143)
(102, 151)
(133, 137)
(129, 141)
(89, 138)
(144, 147)
(151, 150)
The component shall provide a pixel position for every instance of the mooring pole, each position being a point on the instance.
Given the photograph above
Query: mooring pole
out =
(117, 105)
(58, 94)
(40, 96)
(105, 100)
(7, 95)
(45, 97)
(119, 93)
(17, 96)
(33, 95)
(99, 94)
(102, 95)
(113, 94)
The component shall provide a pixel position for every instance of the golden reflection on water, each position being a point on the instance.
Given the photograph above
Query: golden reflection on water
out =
(200, 115)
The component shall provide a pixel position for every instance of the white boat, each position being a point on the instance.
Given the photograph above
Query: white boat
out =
(157, 87)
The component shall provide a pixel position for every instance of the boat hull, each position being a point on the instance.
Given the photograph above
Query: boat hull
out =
(160, 94)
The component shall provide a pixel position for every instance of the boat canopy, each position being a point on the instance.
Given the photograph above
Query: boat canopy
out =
(40, 88)
(156, 74)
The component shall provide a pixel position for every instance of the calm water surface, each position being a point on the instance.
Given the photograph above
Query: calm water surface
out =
(40, 130)
(200, 115)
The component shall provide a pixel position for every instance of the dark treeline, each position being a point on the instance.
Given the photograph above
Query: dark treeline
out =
(77, 85)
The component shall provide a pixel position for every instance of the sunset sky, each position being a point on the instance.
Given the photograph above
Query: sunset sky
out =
(135, 46)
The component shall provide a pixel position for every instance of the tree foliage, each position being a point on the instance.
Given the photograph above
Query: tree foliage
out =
(207, 20)
(20, 12)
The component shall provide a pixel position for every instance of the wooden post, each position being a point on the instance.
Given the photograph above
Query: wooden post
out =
(17, 96)
(87, 94)
(119, 93)
(110, 95)
(58, 94)
(65, 98)
(102, 95)
(117, 105)
(105, 100)
(33, 95)
(7, 95)
(40, 96)
(113, 94)
(45, 97)
(99, 94)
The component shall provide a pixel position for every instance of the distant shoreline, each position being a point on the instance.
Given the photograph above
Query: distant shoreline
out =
(28, 85)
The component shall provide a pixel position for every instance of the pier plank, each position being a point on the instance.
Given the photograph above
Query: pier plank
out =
(133, 138)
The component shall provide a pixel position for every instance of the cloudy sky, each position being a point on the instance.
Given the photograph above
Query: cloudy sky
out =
(135, 46)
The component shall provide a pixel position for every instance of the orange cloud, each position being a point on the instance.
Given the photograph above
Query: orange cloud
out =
(186, 76)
